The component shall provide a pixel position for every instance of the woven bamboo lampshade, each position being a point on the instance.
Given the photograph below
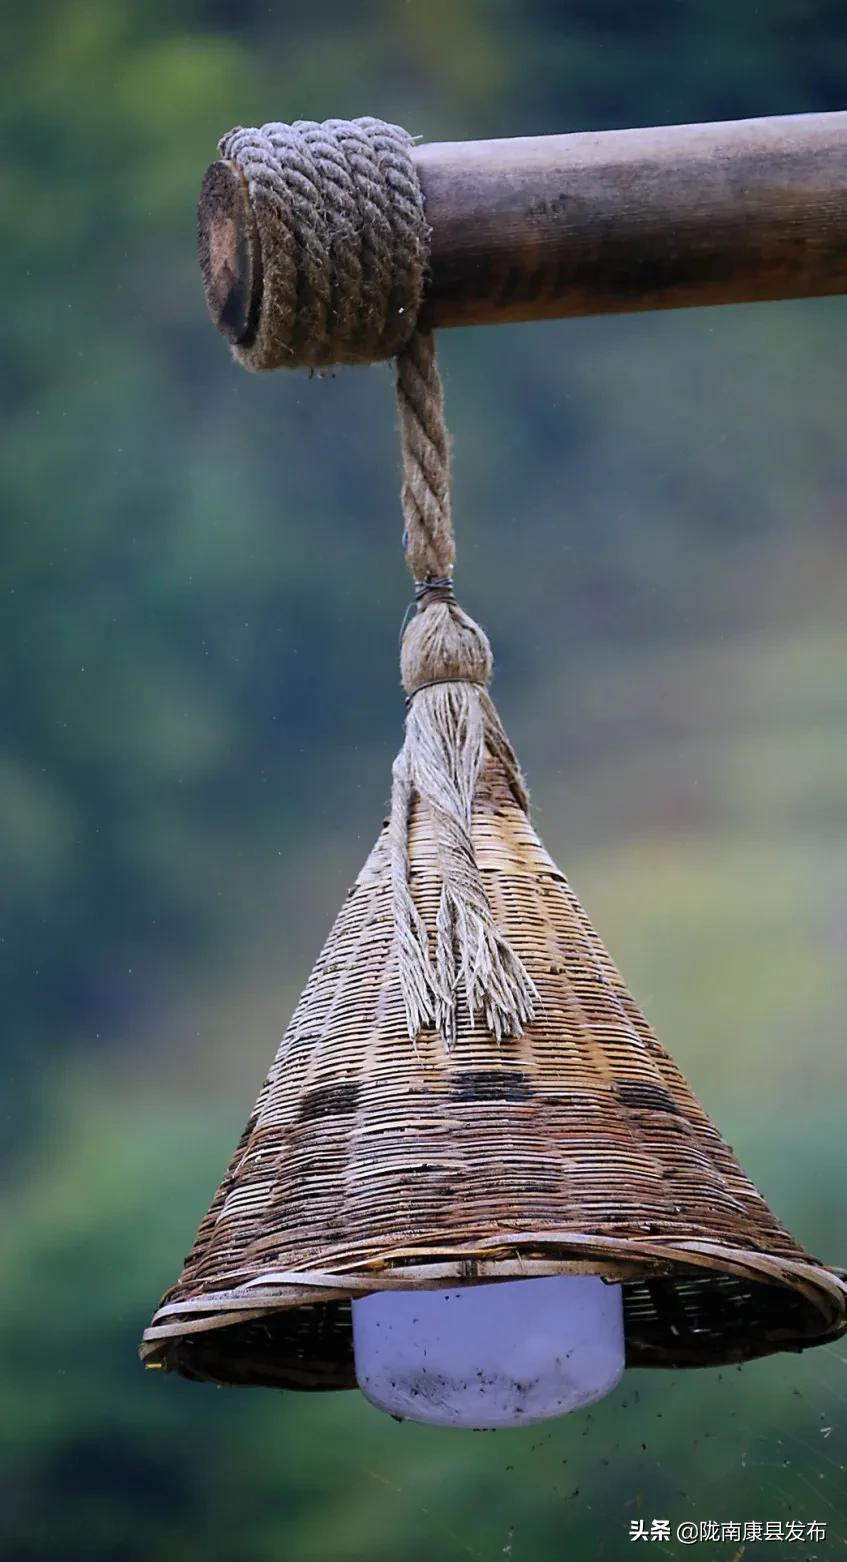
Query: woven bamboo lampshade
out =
(467, 1093)
(578, 1147)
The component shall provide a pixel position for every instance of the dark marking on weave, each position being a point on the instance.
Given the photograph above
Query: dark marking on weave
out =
(491, 1084)
(329, 1101)
(646, 1098)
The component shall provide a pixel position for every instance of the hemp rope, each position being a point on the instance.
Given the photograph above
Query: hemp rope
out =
(344, 243)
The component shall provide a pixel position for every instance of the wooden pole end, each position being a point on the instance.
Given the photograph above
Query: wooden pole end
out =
(229, 252)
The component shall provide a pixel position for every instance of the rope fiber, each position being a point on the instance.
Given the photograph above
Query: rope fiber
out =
(344, 241)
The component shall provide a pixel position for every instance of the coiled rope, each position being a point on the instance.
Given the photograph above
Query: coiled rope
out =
(344, 242)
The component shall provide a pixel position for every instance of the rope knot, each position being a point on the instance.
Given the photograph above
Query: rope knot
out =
(344, 240)
(441, 645)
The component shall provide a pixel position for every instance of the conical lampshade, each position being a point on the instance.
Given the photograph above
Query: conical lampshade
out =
(370, 1163)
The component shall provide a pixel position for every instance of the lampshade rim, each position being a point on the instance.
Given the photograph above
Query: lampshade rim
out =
(823, 1291)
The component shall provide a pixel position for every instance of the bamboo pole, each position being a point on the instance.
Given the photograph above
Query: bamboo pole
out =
(541, 227)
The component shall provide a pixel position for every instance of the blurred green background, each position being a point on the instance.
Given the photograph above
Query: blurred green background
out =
(200, 710)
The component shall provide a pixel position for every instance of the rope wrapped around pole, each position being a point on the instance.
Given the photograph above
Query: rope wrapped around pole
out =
(343, 238)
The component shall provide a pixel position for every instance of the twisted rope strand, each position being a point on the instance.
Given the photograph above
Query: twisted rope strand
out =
(424, 442)
(344, 224)
(344, 239)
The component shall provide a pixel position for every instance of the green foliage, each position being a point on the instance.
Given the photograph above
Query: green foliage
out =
(200, 704)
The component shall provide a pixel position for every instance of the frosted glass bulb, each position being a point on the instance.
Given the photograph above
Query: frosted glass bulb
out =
(504, 1354)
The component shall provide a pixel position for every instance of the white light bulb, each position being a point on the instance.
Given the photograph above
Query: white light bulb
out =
(503, 1354)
